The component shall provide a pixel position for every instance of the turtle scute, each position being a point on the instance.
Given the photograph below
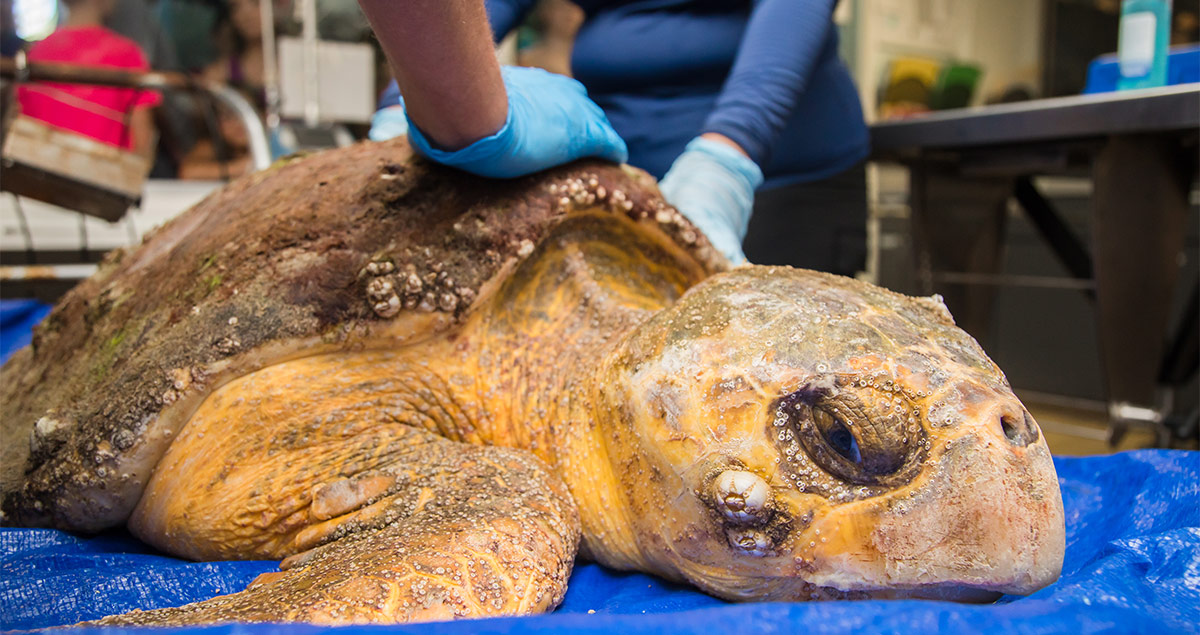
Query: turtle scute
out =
(425, 392)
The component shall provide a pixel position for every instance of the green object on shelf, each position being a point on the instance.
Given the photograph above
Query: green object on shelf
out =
(955, 86)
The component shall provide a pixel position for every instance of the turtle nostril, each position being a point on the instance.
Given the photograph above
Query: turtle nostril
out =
(1010, 428)
(1020, 432)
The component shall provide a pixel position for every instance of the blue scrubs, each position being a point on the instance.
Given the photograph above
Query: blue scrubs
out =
(765, 74)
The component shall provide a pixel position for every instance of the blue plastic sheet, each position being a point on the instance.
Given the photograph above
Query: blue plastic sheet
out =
(17, 318)
(1132, 565)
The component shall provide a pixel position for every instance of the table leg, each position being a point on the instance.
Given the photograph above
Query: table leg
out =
(958, 226)
(1140, 204)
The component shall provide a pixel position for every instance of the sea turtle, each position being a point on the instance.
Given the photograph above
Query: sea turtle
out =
(426, 392)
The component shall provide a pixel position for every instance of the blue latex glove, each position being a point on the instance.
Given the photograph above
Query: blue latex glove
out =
(713, 185)
(388, 122)
(550, 121)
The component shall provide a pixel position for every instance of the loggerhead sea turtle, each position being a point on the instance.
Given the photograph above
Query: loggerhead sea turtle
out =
(426, 392)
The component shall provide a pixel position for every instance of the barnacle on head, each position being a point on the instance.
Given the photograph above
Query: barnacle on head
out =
(741, 496)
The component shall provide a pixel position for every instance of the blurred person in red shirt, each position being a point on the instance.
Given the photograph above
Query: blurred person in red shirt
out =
(120, 117)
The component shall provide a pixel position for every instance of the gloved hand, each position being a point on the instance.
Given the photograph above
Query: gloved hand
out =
(550, 121)
(388, 122)
(712, 184)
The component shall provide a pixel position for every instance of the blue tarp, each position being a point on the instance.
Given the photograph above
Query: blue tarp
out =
(1132, 565)
(17, 318)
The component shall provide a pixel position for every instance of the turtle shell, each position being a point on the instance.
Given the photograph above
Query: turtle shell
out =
(366, 246)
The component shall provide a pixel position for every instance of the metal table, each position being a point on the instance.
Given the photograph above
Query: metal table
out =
(1140, 150)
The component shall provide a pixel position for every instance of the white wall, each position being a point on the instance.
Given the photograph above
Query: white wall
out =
(1007, 42)
(1002, 36)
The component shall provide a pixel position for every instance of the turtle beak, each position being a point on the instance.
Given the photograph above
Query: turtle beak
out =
(987, 518)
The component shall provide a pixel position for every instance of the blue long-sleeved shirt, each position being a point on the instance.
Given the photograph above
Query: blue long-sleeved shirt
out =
(764, 73)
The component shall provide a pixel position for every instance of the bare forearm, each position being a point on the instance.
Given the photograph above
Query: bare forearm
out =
(720, 138)
(441, 53)
(141, 128)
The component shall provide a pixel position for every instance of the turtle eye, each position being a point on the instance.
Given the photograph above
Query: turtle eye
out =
(837, 434)
(854, 437)
(830, 440)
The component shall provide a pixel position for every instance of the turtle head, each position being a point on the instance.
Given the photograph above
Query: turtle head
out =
(784, 434)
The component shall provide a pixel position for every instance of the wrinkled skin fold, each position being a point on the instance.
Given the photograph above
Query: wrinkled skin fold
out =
(426, 393)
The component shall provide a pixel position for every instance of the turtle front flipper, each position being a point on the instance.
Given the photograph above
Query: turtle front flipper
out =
(379, 518)
(462, 531)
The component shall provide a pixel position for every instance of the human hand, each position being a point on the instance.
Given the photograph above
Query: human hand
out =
(713, 184)
(550, 121)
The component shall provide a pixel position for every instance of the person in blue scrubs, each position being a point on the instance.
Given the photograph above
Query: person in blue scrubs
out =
(707, 93)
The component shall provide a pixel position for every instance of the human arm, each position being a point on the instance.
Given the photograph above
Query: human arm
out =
(143, 135)
(142, 132)
(713, 181)
(778, 53)
(545, 119)
(441, 55)
(390, 119)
